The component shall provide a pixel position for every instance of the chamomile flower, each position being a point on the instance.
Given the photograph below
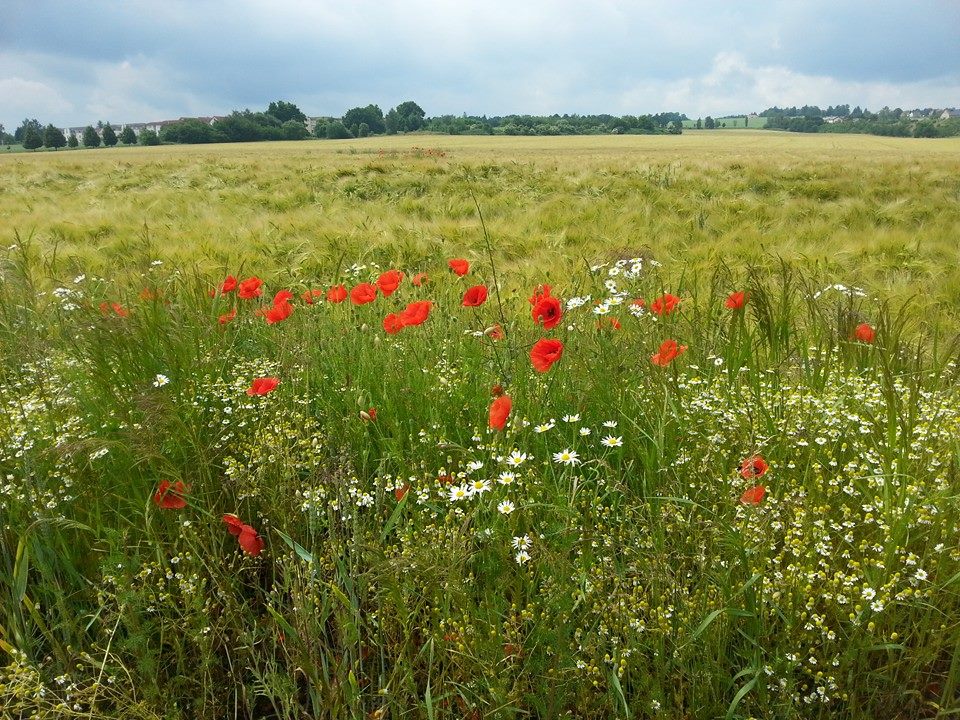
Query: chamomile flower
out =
(571, 418)
(544, 427)
(478, 487)
(584, 431)
(460, 492)
(506, 478)
(506, 507)
(521, 542)
(611, 441)
(474, 465)
(160, 380)
(610, 423)
(567, 457)
(601, 309)
(522, 557)
(516, 458)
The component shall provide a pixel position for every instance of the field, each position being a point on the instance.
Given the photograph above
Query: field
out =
(674, 435)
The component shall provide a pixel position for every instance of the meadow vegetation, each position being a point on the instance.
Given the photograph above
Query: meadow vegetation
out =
(267, 453)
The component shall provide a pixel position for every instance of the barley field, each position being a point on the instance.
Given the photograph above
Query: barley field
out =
(463, 427)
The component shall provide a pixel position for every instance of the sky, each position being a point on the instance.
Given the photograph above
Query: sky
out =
(74, 63)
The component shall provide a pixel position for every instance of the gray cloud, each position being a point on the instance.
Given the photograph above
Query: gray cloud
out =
(73, 63)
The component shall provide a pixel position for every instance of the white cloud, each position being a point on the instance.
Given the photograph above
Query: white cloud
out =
(20, 98)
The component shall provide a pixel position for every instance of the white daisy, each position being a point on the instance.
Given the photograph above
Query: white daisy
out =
(567, 457)
(584, 431)
(571, 418)
(610, 423)
(506, 507)
(546, 426)
(601, 309)
(479, 487)
(611, 441)
(460, 492)
(522, 557)
(506, 478)
(521, 542)
(474, 465)
(160, 380)
(516, 458)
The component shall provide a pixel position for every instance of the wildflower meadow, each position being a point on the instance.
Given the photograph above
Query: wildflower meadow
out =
(472, 483)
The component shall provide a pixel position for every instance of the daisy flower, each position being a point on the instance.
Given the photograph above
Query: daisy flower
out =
(522, 557)
(567, 457)
(521, 542)
(611, 441)
(479, 487)
(506, 478)
(610, 423)
(460, 492)
(506, 507)
(516, 458)
(584, 431)
(160, 380)
(571, 418)
(546, 426)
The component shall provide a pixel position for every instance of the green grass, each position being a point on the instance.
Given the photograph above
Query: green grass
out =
(650, 589)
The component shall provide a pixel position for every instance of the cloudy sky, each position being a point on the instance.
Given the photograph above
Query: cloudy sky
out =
(73, 63)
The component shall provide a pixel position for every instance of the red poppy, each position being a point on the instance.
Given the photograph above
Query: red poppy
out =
(460, 266)
(416, 313)
(389, 281)
(542, 291)
(250, 542)
(419, 279)
(495, 332)
(169, 495)
(278, 313)
(545, 353)
(864, 333)
(475, 296)
(369, 415)
(499, 411)
(337, 294)
(149, 294)
(228, 285)
(401, 492)
(227, 317)
(664, 305)
(496, 390)
(282, 296)
(639, 302)
(613, 322)
(667, 352)
(547, 312)
(753, 467)
(309, 295)
(262, 386)
(250, 288)
(120, 310)
(363, 293)
(736, 300)
(393, 324)
(754, 495)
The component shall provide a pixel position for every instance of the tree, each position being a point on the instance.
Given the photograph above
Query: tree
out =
(109, 136)
(336, 130)
(676, 128)
(72, 141)
(53, 137)
(31, 139)
(363, 130)
(408, 116)
(285, 111)
(294, 130)
(90, 137)
(372, 115)
(924, 129)
(699, 124)
(128, 136)
(33, 124)
(149, 137)
(709, 123)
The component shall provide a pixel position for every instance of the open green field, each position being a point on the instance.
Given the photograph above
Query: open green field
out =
(677, 436)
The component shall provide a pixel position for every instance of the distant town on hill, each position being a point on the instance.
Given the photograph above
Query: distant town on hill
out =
(283, 120)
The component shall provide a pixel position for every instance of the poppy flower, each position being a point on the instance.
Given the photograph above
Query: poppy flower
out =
(496, 390)
(228, 285)
(864, 333)
(460, 266)
(149, 294)
(117, 308)
(475, 296)
(369, 415)
(667, 352)
(419, 279)
(392, 324)
(754, 495)
(250, 542)
(612, 322)
(363, 293)
(664, 305)
(639, 302)
(282, 296)
(542, 291)
(227, 317)
(500, 411)
(736, 300)
(250, 288)
(309, 295)
(753, 467)
(401, 492)
(416, 313)
(337, 294)
(389, 281)
(495, 332)
(169, 495)
(545, 353)
(278, 313)
(547, 312)
(262, 386)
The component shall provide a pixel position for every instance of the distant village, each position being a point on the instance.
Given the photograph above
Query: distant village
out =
(158, 125)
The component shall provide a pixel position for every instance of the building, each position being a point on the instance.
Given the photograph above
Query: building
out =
(950, 113)
(156, 126)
